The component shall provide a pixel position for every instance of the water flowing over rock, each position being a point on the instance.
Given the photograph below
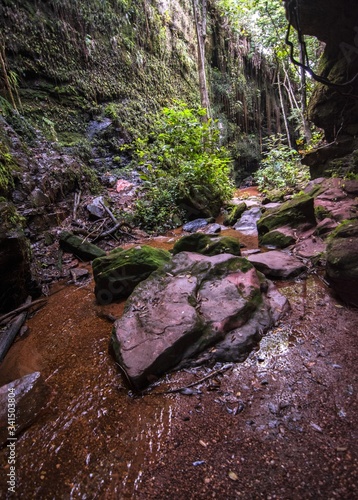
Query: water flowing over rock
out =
(191, 304)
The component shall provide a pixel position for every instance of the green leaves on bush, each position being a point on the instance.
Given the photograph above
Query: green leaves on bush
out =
(281, 169)
(181, 153)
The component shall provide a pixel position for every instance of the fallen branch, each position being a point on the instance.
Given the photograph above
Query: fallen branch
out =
(109, 213)
(8, 336)
(24, 307)
(193, 384)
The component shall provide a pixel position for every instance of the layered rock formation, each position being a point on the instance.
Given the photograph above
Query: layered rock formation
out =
(333, 106)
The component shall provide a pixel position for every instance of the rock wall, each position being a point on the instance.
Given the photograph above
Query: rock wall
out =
(333, 107)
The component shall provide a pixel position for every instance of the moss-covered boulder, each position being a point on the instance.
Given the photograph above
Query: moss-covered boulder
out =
(186, 307)
(206, 244)
(292, 213)
(118, 273)
(84, 250)
(278, 238)
(235, 212)
(342, 261)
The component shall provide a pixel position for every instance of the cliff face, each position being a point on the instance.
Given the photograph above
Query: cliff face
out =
(334, 106)
(68, 56)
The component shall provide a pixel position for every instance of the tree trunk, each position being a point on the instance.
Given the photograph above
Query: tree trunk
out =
(306, 128)
(283, 109)
(200, 26)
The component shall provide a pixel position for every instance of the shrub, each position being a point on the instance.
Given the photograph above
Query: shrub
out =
(181, 153)
(281, 168)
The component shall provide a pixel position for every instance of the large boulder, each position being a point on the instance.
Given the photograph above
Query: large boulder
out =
(118, 273)
(207, 244)
(342, 261)
(293, 213)
(185, 308)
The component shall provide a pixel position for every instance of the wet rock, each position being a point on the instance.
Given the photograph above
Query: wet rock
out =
(207, 244)
(342, 262)
(194, 225)
(292, 213)
(235, 212)
(212, 229)
(75, 245)
(186, 307)
(276, 264)
(30, 394)
(280, 238)
(118, 273)
(247, 223)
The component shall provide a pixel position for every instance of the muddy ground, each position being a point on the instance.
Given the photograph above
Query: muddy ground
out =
(282, 425)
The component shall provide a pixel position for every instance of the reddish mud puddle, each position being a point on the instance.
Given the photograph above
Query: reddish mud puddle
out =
(93, 439)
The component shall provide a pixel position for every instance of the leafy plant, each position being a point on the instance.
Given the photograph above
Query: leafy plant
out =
(281, 168)
(181, 154)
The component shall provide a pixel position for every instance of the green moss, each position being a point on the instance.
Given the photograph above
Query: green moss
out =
(207, 245)
(8, 168)
(11, 220)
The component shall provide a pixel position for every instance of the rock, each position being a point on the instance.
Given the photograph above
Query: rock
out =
(235, 212)
(194, 225)
(342, 261)
(95, 208)
(325, 226)
(30, 394)
(281, 237)
(186, 307)
(310, 248)
(207, 244)
(211, 229)
(39, 198)
(75, 245)
(333, 201)
(292, 213)
(118, 273)
(247, 223)
(79, 274)
(350, 186)
(276, 264)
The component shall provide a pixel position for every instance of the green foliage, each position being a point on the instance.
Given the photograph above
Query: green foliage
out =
(181, 153)
(281, 168)
(8, 167)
